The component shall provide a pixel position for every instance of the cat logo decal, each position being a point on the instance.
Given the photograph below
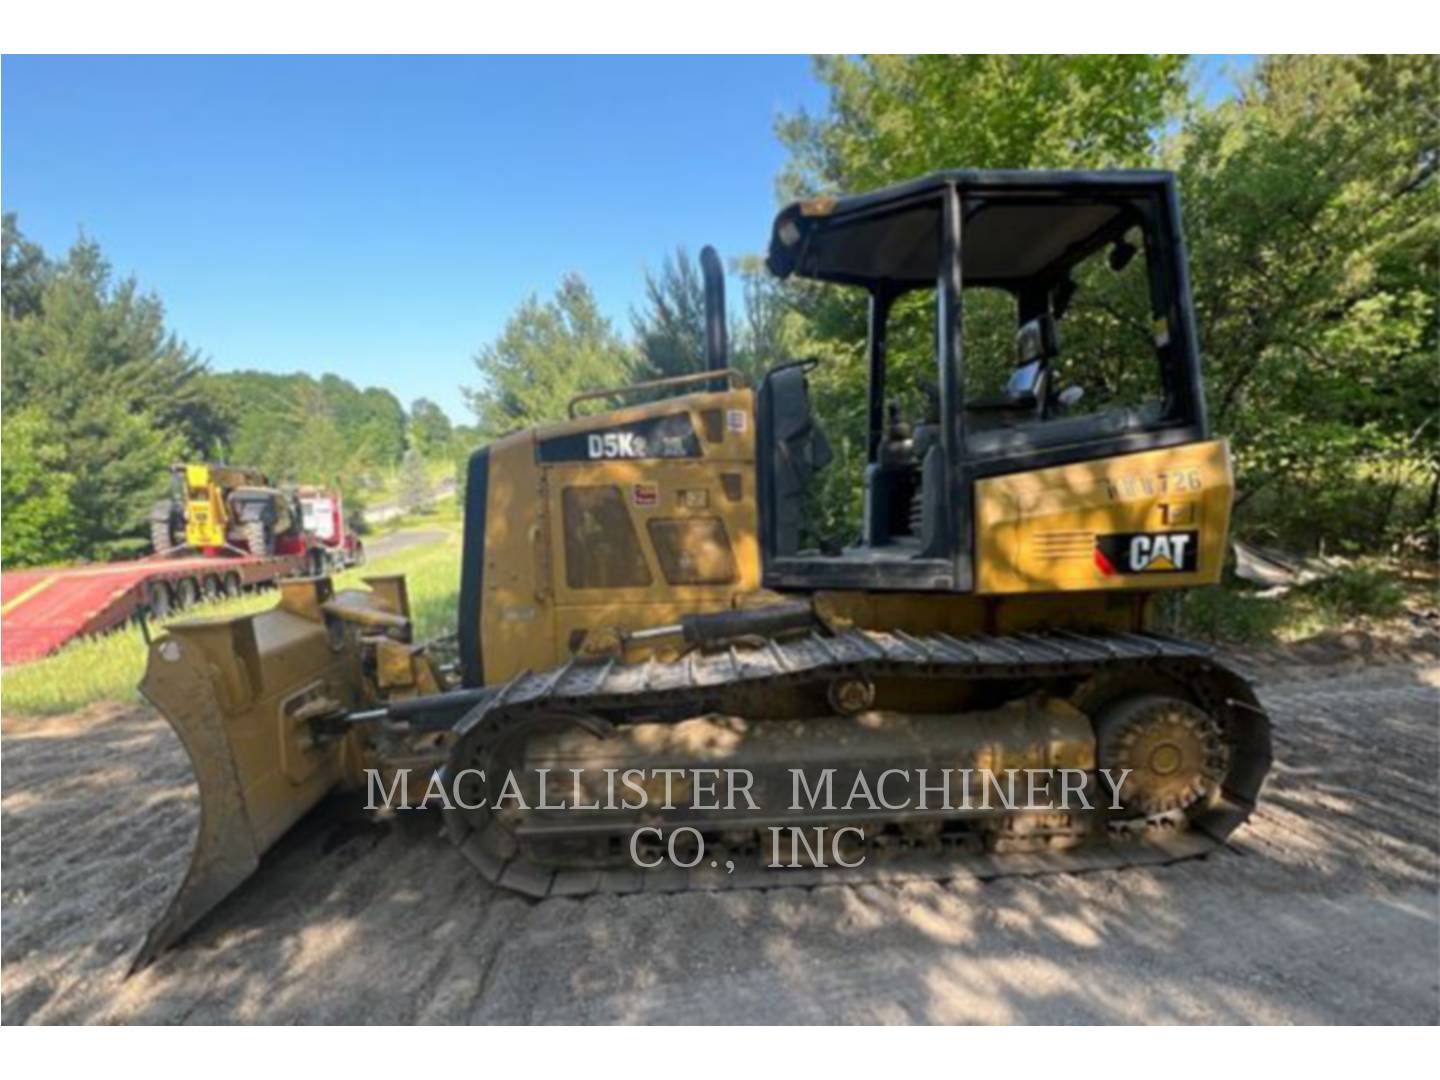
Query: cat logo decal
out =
(1147, 553)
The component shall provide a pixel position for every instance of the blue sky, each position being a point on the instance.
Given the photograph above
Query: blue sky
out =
(380, 218)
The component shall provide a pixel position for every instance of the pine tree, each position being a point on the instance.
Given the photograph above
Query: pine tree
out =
(547, 353)
(670, 327)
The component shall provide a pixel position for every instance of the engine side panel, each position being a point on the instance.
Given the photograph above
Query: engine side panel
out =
(1153, 520)
(626, 519)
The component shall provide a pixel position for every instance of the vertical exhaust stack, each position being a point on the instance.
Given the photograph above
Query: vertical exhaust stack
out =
(717, 348)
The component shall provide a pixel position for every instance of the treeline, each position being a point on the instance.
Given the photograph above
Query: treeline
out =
(297, 427)
(100, 398)
(552, 349)
(1312, 216)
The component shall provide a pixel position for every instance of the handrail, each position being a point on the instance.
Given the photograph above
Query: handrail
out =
(736, 379)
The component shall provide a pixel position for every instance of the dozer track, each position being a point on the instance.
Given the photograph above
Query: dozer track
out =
(274, 711)
(599, 702)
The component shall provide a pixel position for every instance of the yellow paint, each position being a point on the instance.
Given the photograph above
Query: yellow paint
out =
(1035, 539)
(1036, 531)
(206, 518)
(529, 612)
(967, 613)
(34, 590)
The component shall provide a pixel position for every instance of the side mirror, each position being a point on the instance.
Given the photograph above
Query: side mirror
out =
(1070, 396)
(1121, 254)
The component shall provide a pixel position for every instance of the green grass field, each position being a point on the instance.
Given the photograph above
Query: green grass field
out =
(446, 514)
(109, 668)
(1238, 614)
(391, 480)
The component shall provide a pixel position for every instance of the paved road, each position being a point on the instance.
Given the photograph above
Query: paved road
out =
(383, 512)
(391, 543)
(1324, 910)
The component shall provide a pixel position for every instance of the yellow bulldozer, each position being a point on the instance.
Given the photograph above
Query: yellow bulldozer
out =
(647, 597)
(213, 507)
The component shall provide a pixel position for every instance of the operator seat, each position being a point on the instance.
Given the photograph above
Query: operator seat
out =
(1026, 395)
(800, 451)
(890, 483)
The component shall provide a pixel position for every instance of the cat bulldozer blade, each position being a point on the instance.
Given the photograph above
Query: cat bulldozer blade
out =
(647, 603)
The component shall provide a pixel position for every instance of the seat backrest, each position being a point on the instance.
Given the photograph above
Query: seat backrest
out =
(800, 451)
(1038, 339)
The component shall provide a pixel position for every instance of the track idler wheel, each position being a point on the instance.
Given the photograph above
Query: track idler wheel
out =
(1176, 753)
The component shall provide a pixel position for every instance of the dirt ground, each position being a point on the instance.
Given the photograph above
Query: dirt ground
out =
(1324, 909)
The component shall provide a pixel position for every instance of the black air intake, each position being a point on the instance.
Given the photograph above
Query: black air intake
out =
(717, 349)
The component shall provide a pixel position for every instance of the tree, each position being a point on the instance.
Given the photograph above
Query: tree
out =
(39, 517)
(415, 494)
(382, 425)
(372, 418)
(91, 362)
(305, 430)
(547, 353)
(767, 320)
(1310, 208)
(25, 272)
(891, 118)
(465, 440)
(430, 430)
(100, 398)
(1311, 211)
(670, 327)
(318, 449)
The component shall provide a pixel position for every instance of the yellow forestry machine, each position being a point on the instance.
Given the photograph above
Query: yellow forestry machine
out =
(643, 590)
(215, 507)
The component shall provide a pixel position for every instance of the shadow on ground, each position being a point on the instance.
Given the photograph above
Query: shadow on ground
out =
(1323, 910)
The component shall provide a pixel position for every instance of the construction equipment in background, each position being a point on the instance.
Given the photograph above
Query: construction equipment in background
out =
(216, 507)
(322, 514)
(646, 588)
(224, 530)
(235, 533)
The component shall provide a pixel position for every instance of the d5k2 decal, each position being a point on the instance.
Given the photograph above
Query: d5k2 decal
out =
(670, 436)
(1147, 553)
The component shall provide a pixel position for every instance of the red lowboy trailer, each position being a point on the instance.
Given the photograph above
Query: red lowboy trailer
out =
(41, 609)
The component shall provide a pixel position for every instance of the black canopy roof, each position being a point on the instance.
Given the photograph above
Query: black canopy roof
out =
(1019, 225)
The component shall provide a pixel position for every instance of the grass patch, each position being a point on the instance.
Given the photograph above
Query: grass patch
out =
(1239, 614)
(109, 668)
(388, 485)
(1232, 613)
(432, 573)
(1356, 592)
(446, 514)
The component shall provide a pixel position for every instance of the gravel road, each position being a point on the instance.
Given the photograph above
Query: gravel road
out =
(1323, 911)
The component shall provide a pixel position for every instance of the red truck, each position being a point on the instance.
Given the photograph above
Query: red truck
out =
(322, 513)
